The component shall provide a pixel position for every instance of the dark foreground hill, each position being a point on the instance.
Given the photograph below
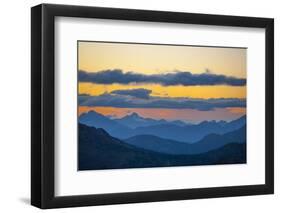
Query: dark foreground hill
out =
(98, 150)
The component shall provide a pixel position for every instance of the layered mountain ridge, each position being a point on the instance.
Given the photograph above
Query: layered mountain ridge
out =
(98, 150)
(133, 125)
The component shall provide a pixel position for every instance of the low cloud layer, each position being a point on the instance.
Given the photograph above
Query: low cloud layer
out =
(137, 93)
(185, 78)
(129, 101)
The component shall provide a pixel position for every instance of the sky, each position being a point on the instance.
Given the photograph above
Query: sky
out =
(191, 83)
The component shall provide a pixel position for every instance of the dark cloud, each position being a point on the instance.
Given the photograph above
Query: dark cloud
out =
(168, 79)
(138, 93)
(125, 101)
(84, 94)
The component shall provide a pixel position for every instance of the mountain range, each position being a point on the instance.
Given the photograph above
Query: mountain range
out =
(209, 142)
(99, 150)
(134, 125)
(134, 120)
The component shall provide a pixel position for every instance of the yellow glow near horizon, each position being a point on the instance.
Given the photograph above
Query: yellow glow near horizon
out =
(151, 59)
(205, 92)
(148, 59)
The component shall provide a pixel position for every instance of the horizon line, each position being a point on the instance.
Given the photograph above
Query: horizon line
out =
(169, 120)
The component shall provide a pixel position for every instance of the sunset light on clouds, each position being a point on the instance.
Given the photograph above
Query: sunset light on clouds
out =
(162, 81)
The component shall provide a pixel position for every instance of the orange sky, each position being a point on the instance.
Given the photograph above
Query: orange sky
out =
(149, 59)
(220, 91)
(156, 59)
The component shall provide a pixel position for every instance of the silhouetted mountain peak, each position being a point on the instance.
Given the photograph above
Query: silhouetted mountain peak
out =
(203, 123)
(91, 113)
(133, 115)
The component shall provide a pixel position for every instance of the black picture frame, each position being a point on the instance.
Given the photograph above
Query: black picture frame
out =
(43, 102)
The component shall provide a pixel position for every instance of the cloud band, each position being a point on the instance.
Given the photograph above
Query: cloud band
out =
(184, 78)
(129, 101)
(137, 93)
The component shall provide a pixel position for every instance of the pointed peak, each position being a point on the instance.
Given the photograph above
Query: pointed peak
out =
(91, 113)
(203, 122)
(133, 115)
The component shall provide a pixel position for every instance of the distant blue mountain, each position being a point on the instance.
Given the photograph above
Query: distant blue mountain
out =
(189, 133)
(97, 120)
(208, 143)
(98, 150)
(134, 120)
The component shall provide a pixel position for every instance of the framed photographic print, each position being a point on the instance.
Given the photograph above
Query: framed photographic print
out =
(139, 106)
